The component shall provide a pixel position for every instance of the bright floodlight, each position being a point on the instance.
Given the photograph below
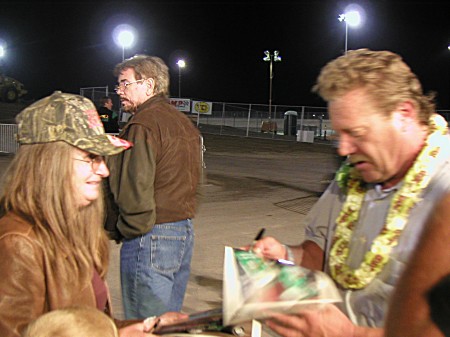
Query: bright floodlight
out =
(353, 18)
(276, 56)
(181, 63)
(125, 38)
(2, 51)
(267, 58)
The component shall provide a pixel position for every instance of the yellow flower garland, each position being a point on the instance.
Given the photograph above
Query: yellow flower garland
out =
(416, 179)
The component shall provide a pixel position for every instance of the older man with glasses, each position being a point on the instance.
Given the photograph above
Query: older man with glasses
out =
(154, 187)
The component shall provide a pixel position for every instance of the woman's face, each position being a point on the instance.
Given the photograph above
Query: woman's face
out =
(89, 169)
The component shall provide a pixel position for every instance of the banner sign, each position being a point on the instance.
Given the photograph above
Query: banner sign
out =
(200, 107)
(182, 104)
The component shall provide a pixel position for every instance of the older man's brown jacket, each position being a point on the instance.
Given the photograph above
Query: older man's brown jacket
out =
(156, 181)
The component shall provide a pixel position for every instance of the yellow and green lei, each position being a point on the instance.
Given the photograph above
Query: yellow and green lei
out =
(416, 179)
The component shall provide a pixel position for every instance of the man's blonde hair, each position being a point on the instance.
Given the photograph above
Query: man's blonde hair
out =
(72, 322)
(384, 76)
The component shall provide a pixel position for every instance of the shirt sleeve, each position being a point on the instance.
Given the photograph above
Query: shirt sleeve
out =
(135, 194)
(22, 284)
(320, 221)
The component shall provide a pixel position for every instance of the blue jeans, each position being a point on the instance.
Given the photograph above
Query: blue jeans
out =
(155, 268)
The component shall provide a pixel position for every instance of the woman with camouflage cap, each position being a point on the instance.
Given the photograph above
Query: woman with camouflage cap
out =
(54, 252)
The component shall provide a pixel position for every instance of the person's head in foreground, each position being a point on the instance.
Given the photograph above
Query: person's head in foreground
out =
(54, 183)
(72, 322)
(379, 111)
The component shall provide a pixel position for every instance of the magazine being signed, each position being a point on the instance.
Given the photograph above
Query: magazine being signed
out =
(253, 287)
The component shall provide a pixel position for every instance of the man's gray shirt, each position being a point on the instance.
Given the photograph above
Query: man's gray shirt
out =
(368, 306)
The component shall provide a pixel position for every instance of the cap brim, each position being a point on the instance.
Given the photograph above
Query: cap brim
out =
(103, 145)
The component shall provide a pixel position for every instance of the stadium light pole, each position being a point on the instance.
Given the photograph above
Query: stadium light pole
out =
(181, 64)
(124, 36)
(271, 57)
(352, 19)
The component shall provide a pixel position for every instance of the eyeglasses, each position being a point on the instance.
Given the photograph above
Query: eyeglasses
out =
(95, 161)
(122, 86)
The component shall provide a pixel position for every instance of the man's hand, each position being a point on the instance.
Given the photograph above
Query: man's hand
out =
(172, 317)
(327, 321)
(270, 248)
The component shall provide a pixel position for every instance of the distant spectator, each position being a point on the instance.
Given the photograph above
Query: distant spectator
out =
(108, 117)
(73, 322)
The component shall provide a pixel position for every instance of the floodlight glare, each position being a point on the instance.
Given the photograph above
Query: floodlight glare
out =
(2, 51)
(126, 38)
(181, 63)
(353, 18)
(267, 58)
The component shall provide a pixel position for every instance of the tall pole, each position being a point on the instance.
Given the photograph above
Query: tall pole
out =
(123, 52)
(270, 88)
(351, 18)
(346, 36)
(181, 64)
(271, 57)
(179, 82)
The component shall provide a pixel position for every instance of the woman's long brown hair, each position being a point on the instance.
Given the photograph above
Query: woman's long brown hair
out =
(39, 188)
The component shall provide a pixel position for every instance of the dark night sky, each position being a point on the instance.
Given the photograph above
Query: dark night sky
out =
(65, 45)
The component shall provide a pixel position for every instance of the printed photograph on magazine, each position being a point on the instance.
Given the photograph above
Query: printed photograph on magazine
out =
(253, 287)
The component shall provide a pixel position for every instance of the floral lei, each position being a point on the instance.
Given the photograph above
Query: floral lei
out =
(416, 179)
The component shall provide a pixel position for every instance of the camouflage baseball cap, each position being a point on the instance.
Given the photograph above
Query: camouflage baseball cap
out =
(69, 118)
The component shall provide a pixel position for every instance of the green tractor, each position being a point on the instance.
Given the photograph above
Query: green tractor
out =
(11, 89)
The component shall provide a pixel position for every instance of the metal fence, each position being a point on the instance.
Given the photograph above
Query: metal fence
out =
(8, 139)
(254, 119)
(242, 117)
(248, 120)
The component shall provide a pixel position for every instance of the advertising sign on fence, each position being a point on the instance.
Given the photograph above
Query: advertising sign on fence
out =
(182, 104)
(200, 107)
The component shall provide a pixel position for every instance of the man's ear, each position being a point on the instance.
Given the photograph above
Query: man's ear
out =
(407, 109)
(406, 113)
(150, 83)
